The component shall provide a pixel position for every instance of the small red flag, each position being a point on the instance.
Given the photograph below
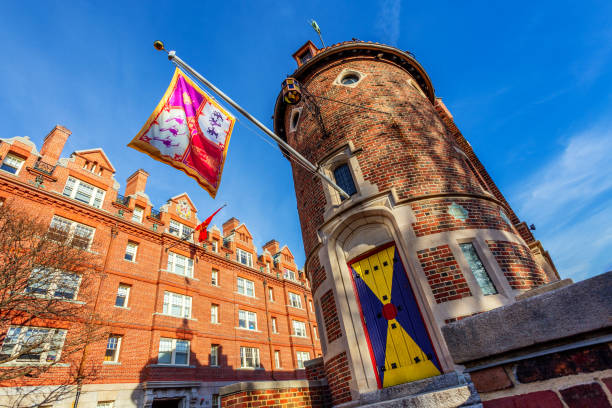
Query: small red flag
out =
(203, 226)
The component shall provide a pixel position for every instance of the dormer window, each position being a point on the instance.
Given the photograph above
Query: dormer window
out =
(244, 257)
(305, 57)
(84, 192)
(344, 179)
(12, 164)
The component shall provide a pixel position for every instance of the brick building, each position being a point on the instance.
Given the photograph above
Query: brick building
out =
(426, 237)
(186, 317)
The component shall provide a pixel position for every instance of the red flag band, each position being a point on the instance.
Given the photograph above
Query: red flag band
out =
(204, 226)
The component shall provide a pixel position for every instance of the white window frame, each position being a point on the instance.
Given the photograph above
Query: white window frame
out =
(71, 188)
(184, 302)
(216, 401)
(71, 227)
(270, 294)
(277, 359)
(274, 325)
(182, 230)
(172, 262)
(315, 332)
(131, 250)
(214, 355)
(251, 361)
(214, 313)
(215, 246)
(214, 277)
(51, 335)
(290, 275)
(138, 214)
(11, 156)
(49, 285)
(295, 300)
(246, 318)
(248, 257)
(127, 288)
(310, 305)
(302, 356)
(243, 286)
(299, 328)
(173, 343)
(115, 358)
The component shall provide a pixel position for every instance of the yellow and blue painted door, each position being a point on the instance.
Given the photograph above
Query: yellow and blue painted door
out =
(399, 344)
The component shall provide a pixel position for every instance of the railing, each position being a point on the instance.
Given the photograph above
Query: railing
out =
(44, 167)
(122, 200)
(155, 214)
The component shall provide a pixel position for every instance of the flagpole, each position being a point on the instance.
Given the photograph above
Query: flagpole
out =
(182, 64)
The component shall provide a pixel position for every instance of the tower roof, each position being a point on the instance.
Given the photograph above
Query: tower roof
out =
(348, 49)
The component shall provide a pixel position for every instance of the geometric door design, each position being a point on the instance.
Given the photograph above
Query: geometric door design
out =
(399, 344)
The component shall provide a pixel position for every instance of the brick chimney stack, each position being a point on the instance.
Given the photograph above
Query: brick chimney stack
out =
(229, 225)
(136, 183)
(54, 144)
(272, 246)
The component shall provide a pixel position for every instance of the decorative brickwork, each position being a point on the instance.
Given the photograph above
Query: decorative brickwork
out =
(540, 399)
(585, 396)
(433, 216)
(315, 371)
(517, 264)
(338, 377)
(318, 277)
(330, 317)
(571, 362)
(443, 274)
(306, 397)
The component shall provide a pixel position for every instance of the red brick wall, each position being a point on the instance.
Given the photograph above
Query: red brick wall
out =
(330, 317)
(305, 397)
(418, 157)
(443, 274)
(338, 376)
(517, 264)
(515, 380)
(315, 371)
(141, 324)
(432, 216)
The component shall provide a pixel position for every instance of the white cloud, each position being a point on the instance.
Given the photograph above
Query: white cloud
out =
(570, 200)
(388, 20)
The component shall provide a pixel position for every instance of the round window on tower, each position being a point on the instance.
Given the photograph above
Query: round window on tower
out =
(350, 79)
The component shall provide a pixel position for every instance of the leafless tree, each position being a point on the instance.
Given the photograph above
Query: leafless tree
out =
(48, 283)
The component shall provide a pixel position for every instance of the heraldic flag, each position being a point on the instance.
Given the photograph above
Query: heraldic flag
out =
(189, 131)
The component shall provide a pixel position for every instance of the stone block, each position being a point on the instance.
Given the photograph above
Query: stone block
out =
(585, 396)
(583, 307)
(540, 399)
(491, 379)
(586, 360)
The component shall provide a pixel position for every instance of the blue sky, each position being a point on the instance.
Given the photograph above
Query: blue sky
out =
(529, 85)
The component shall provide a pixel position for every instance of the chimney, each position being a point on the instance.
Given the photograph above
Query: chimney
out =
(54, 144)
(136, 183)
(272, 246)
(229, 225)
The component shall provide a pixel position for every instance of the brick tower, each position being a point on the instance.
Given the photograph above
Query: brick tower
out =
(426, 237)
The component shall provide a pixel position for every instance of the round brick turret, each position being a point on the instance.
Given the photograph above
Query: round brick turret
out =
(417, 184)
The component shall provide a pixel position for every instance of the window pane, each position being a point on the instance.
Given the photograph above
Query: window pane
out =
(84, 192)
(99, 198)
(69, 187)
(165, 351)
(344, 179)
(67, 285)
(478, 269)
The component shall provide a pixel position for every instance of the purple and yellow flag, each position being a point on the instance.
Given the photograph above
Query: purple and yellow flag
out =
(189, 131)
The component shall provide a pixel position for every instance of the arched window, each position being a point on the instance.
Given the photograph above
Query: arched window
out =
(344, 179)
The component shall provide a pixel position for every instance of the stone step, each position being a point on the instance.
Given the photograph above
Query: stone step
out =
(447, 398)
